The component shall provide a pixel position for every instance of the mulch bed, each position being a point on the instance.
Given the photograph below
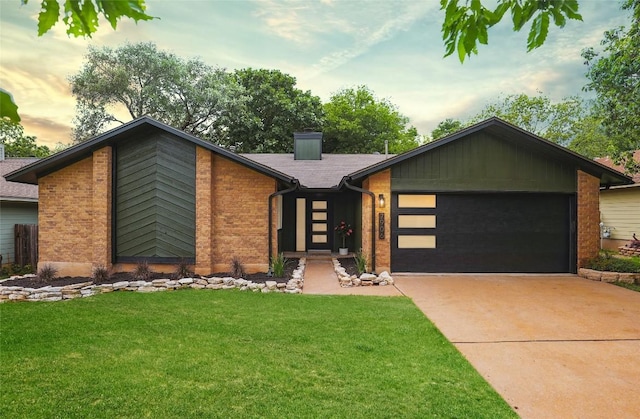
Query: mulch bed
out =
(36, 282)
(349, 264)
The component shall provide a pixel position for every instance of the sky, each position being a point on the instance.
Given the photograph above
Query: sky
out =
(393, 47)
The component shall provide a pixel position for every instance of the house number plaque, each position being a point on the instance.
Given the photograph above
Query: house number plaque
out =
(381, 225)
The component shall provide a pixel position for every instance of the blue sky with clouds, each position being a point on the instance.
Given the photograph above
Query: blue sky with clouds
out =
(394, 47)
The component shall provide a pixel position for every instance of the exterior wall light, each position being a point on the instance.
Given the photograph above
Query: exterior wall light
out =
(381, 200)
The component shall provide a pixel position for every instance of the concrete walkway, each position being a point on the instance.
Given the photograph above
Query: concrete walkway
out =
(552, 346)
(319, 278)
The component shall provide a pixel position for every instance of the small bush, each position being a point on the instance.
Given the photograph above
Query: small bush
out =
(183, 270)
(237, 268)
(142, 271)
(614, 264)
(47, 273)
(100, 274)
(278, 265)
(361, 262)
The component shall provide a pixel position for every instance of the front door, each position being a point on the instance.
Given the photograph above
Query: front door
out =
(318, 218)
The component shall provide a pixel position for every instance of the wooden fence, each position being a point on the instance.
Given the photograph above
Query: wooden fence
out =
(26, 245)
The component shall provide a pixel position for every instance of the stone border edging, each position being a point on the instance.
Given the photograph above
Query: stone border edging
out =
(87, 289)
(606, 276)
(364, 280)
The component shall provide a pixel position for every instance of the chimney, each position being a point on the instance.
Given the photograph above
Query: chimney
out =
(307, 145)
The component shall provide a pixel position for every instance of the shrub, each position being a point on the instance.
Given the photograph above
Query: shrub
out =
(361, 262)
(614, 264)
(278, 265)
(183, 270)
(100, 274)
(47, 273)
(237, 268)
(142, 271)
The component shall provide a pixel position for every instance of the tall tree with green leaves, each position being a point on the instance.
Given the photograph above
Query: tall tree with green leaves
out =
(81, 18)
(466, 22)
(358, 122)
(447, 127)
(16, 144)
(116, 85)
(614, 75)
(558, 122)
(275, 108)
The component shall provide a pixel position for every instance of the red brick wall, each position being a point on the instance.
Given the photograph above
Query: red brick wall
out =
(588, 217)
(379, 183)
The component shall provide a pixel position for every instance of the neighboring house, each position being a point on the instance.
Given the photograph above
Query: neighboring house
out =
(490, 198)
(18, 204)
(620, 208)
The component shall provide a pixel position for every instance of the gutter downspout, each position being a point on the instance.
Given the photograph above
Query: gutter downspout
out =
(373, 221)
(273, 195)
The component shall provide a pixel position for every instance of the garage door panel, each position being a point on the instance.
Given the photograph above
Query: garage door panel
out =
(492, 233)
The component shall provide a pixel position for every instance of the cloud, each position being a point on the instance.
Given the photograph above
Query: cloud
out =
(48, 131)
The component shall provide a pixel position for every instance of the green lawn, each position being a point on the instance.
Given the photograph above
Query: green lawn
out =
(634, 287)
(233, 354)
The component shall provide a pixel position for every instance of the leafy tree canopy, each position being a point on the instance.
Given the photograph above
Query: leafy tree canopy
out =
(558, 122)
(138, 79)
(446, 127)
(81, 16)
(614, 75)
(16, 144)
(357, 122)
(275, 109)
(466, 22)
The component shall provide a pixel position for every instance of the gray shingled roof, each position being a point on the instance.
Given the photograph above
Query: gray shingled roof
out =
(320, 174)
(14, 191)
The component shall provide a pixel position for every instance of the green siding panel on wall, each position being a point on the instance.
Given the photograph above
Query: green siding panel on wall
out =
(483, 163)
(12, 213)
(155, 198)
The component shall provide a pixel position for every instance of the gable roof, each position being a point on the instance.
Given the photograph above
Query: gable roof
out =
(14, 191)
(318, 174)
(142, 125)
(507, 132)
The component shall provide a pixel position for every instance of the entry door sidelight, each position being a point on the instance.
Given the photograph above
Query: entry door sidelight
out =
(318, 224)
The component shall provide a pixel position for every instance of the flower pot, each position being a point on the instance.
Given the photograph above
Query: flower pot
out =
(343, 251)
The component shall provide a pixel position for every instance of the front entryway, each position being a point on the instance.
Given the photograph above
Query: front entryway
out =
(318, 229)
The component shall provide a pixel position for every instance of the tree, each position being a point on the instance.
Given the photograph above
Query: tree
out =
(465, 25)
(446, 127)
(614, 75)
(558, 122)
(275, 109)
(138, 79)
(81, 19)
(16, 144)
(357, 122)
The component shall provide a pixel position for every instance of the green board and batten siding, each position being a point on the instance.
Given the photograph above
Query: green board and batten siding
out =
(483, 163)
(155, 199)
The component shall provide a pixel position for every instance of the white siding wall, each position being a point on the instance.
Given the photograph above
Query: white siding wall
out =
(10, 215)
(620, 209)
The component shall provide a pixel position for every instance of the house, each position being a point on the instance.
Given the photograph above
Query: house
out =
(620, 208)
(18, 205)
(490, 198)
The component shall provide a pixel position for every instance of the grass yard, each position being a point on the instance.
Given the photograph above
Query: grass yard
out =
(233, 354)
(633, 287)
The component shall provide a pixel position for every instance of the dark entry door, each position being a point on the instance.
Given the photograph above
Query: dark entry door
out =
(319, 231)
(505, 232)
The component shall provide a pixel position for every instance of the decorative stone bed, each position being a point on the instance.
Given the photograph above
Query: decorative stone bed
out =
(86, 289)
(605, 276)
(363, 280)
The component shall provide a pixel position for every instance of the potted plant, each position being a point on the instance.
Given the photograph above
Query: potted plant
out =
(344, 230)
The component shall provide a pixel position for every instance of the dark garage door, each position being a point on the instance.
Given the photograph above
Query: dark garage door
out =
(505, 232)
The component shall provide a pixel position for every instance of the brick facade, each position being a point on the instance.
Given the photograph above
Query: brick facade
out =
(204, 215)
(102, 205)
(588, 217)
(66, 219)
(240, 215)
(379, 183)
